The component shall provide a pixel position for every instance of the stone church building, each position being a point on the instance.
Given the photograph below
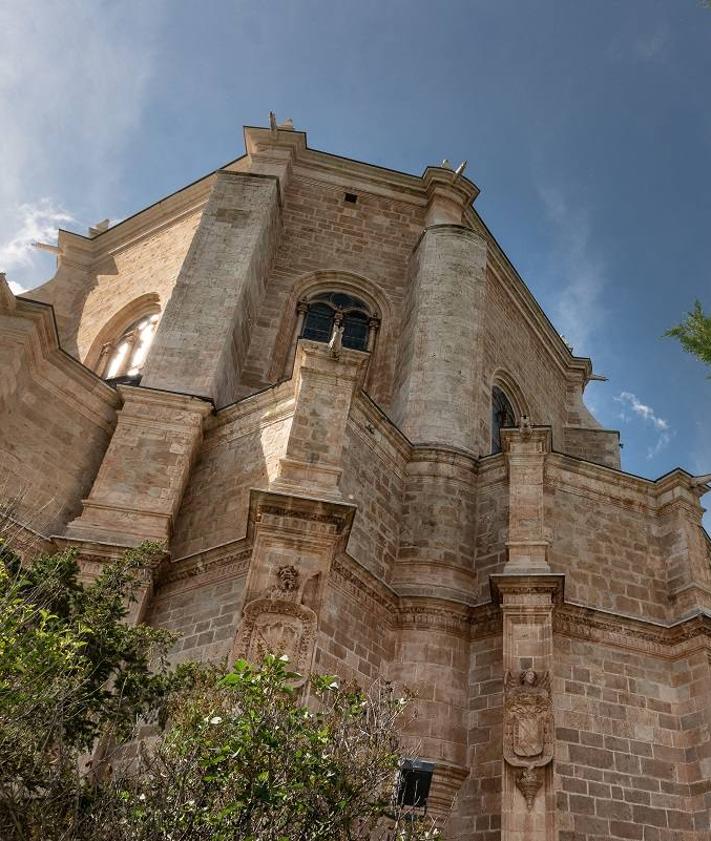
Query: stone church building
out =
(325, 387)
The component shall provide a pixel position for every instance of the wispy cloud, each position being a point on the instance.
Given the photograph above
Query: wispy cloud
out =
(579, 311)
(36, 223)
(73, 88)
(646, 45)
(631, 403)
(651, 45)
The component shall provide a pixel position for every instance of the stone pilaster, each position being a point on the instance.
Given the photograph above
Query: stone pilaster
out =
(202, 340)
(324, 386)
(294, 541)
(684, 545)
(527, 797)
(527, 544)
(139, 487)
(439, 369)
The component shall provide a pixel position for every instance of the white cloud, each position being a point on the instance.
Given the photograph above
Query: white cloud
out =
(74, 83)
(631, 402)
(578, 311)
(36, 223)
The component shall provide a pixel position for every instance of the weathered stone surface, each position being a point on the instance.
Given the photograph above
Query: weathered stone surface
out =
(346, 507)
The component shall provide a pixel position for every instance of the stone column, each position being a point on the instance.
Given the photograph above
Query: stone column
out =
(437, 379)
(204, 334)
(139, 487)
(684, 545)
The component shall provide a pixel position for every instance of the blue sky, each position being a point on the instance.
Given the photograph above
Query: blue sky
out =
(587, 127)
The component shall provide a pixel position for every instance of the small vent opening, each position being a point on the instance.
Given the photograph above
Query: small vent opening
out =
(351, 198)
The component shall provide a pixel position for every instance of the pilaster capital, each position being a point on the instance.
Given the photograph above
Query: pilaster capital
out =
(526, 441)
(303, 517)
(527, 589)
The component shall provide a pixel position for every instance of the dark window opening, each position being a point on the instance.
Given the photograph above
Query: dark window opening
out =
(318, 324)
(502, 415)
(351, 198)
(330, 308)
(414, 783)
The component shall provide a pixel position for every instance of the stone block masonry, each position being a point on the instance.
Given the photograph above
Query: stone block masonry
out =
(345, 502)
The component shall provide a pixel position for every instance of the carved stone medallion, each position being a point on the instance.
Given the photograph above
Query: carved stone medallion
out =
(528, 729)
(277, 626)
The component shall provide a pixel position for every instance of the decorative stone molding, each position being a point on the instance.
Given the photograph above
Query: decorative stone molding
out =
(277, 626)
(322, 519)
(665, 641)
(528, 729)
(350, 577)
(425, 614)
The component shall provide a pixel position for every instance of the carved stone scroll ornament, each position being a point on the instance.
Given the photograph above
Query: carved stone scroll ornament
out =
(528, 729)
(277, 626)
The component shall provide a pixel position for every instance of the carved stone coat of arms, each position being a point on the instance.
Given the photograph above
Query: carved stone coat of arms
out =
(528, 729)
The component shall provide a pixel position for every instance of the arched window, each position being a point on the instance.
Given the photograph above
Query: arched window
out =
(122, 360)
(502, 415)
(328, 309)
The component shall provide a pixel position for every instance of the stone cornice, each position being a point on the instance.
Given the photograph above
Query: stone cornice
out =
(674, 489)
(433, 614)
(353, 579)
(669, 641)
(219, 563)
(502, 270)
(142, 225)
(533, 583)
(45, 357)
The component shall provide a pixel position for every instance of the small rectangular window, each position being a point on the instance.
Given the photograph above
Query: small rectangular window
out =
(351, 198)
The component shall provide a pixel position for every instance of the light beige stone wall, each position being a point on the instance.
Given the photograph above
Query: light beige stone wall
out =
(202, 340)
(374, 461)
(346, 645)
(204, 615)
(241, 450)
(56, 419)
(623, 745)
(88, 294)
(322, 232)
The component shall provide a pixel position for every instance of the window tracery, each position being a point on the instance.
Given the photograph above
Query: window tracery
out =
(122, 359)
(327, 310)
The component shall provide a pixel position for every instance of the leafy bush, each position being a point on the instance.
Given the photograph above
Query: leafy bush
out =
(242, 756)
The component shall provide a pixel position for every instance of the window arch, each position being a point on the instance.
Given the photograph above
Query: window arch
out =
(121, 360)
(326, 310)
(502, 415)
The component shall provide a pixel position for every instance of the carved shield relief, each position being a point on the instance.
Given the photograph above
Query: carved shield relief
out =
(277, 626)
(528, 729)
